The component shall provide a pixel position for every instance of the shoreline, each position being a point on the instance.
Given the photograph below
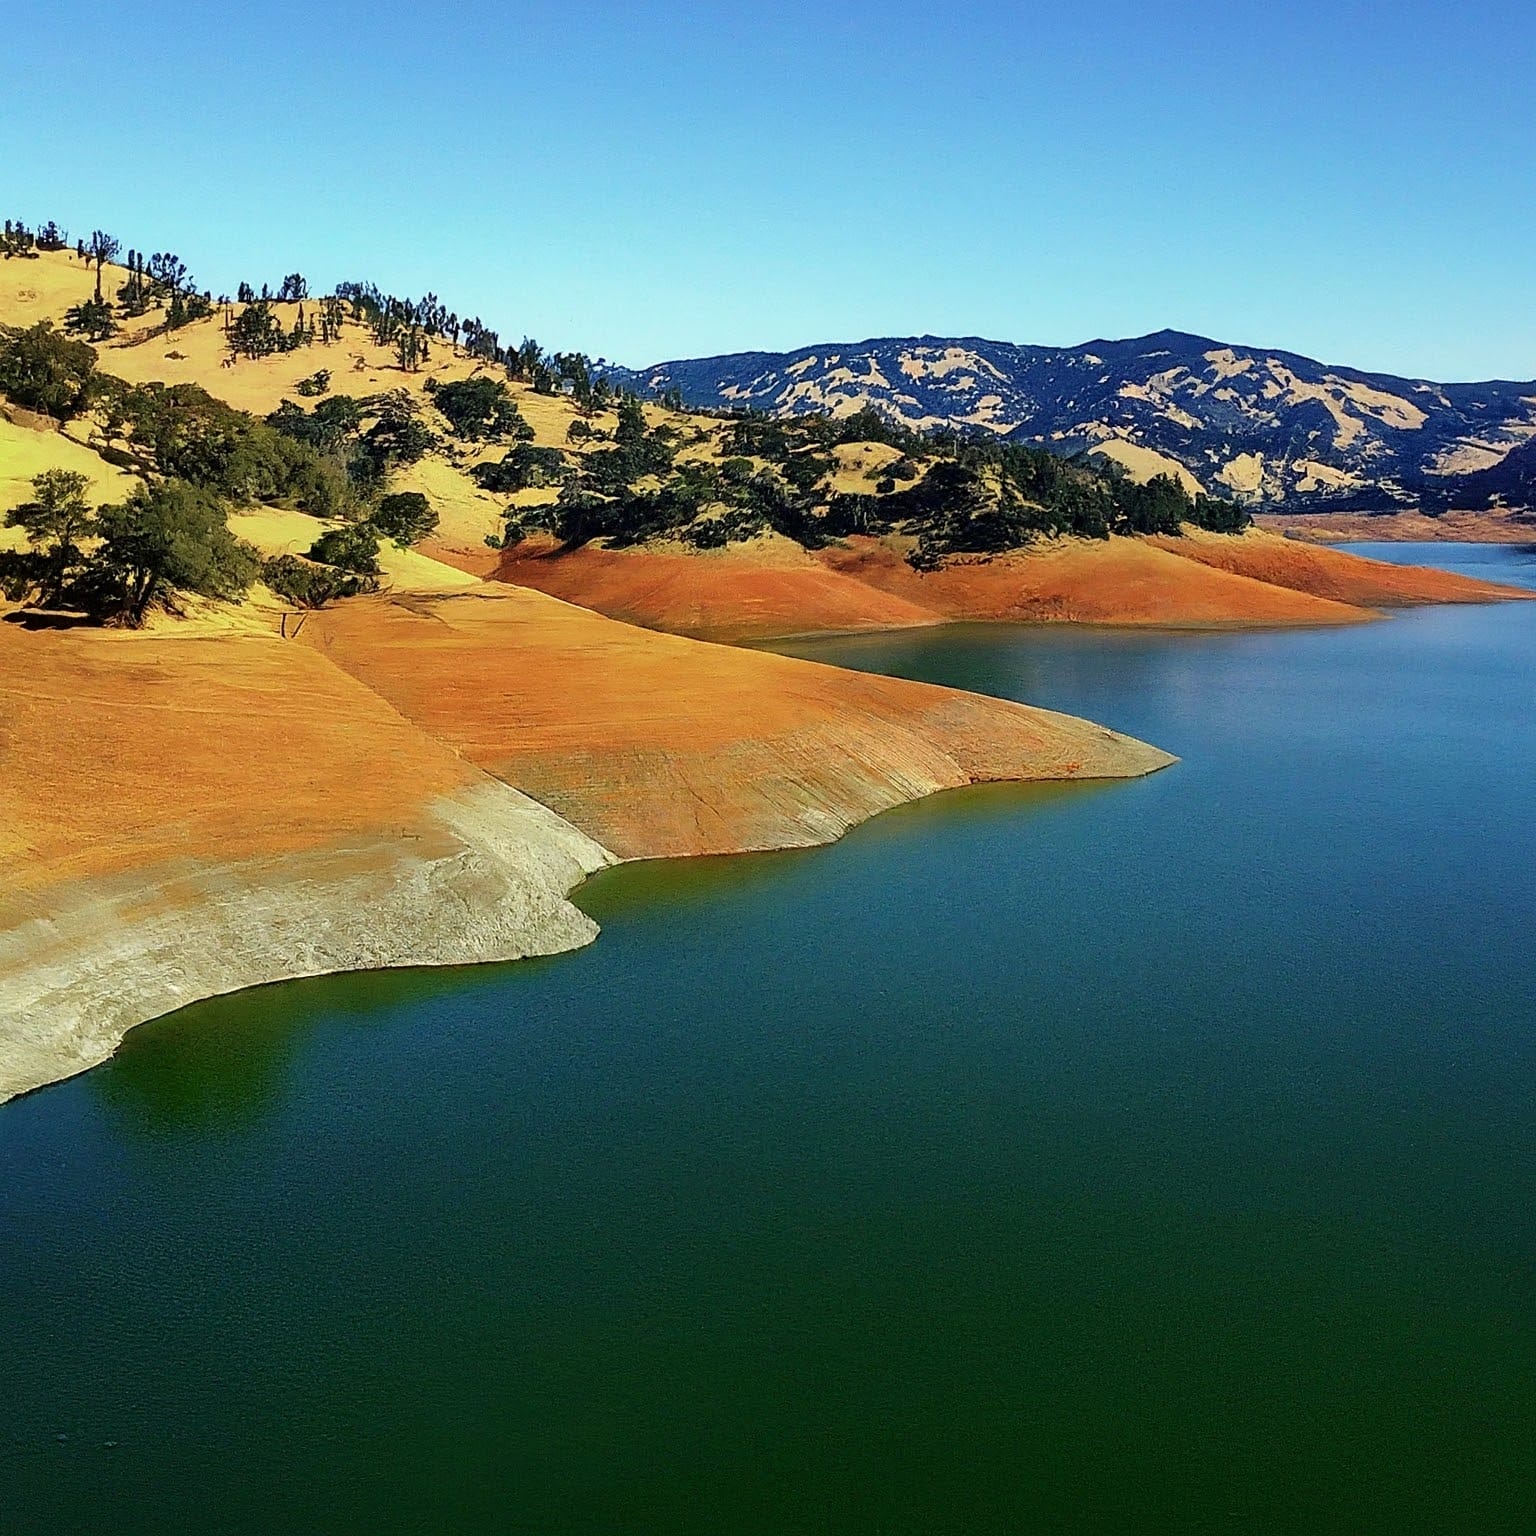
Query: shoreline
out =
(1051, 626)
(173, 933)
(421, 781)
(122, 952)
(770, 592)
(1328, 530)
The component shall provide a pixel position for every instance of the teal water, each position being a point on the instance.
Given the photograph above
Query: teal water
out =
(1158, 1156)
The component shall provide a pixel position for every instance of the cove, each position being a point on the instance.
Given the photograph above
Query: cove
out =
(1158, 1156)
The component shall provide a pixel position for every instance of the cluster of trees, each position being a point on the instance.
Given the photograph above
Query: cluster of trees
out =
(258, 331)
(162, 280)
(344, 562)
(20, 240)
(983, 498)
(116, 562)
(356, 442)
(638, 489)
(480, 410)
(951, 493)
(408, 326)
(47, 372)
(198, 457)
(523, 468)
(153, 281)
(293, 288)
(180, 431)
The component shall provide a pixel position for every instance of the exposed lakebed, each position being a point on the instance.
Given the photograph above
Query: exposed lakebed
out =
(1156, 1154)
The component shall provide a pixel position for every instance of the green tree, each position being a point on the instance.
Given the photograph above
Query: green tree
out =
(631, 428)
(397, 436)
(406, 517)
(1219, 515)
(257, 331)
(56, 522)
(92, 319)
(481, 410)
(522, 469)
(45, 371)
(411, 348)
(354, 547)
(102, 249)
(162, 540)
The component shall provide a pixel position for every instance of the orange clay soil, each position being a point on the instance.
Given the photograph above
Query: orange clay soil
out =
(748, 593)
(1088, 581)
(1334, 573)
(767, 587)
(656, 745)
(124, 751)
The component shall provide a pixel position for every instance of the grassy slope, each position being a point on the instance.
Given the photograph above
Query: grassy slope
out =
(745, 592)
(472, 675)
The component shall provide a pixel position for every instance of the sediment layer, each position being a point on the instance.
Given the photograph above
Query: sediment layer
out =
(480, 876)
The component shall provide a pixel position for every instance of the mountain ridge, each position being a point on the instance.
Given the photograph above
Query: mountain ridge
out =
(1271, 427)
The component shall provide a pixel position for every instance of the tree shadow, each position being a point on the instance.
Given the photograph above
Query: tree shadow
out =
(47, 618)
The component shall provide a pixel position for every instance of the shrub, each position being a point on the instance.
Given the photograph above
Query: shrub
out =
(307, 585)
(354, 547)
(406, 517)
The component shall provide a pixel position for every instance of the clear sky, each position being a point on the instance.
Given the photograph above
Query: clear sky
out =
(664, 178)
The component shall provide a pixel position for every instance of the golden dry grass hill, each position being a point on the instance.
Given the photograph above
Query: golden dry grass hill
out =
(755, 588)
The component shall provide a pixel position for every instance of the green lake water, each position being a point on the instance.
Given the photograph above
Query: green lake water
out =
(1154, 1156)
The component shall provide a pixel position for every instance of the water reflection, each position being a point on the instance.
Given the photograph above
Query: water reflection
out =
(223, 1065)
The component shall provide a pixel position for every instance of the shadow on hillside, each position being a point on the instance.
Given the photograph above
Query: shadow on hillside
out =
(43, 618)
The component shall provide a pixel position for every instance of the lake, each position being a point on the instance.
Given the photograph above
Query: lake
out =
(1148, 1156)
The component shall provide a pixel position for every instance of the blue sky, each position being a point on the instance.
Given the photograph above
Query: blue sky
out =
(648, 180)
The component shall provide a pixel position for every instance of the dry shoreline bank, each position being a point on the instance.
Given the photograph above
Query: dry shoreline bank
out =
(774, 590)
(195, 814)
(1408, 527)
(109, 955)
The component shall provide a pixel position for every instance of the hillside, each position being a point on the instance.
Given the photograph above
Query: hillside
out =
(229, 783)
(349, 615)
(1271, 428)
(528, 466)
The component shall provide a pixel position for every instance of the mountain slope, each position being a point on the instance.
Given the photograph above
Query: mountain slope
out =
(1272, 428)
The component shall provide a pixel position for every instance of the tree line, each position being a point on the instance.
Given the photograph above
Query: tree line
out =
(949, 492)
(197, 457)
(254, 328)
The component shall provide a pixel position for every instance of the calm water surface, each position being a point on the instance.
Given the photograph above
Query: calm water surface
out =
(1156, 1156)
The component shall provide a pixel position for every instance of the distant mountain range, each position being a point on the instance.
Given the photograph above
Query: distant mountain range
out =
(1266, 427)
